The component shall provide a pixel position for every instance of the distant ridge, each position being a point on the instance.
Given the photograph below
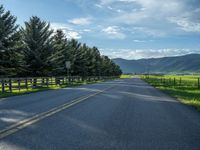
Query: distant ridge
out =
(179, 64)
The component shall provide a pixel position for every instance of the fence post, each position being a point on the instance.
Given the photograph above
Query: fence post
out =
(56, 80)
(69, 79)
(51, 81)
(10, 85)
(47, 82)
(198, 84)
(63, 80)
(31, 82)
(180, 81)
(43, 82)
(3, 86)
(26, 83)
(35, 82)
(18, 84)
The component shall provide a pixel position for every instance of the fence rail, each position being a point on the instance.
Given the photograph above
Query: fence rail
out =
(10, 84)
(174, 81)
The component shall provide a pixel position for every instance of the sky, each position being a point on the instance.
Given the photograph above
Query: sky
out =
(129, 29)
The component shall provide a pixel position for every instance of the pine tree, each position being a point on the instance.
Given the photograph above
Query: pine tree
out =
(75, 57)
(91, 61)
(105, 66)
(38, 47)
(9, 41)
(60, 53)
(97, 63)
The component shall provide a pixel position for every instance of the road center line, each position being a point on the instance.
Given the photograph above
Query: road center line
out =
(38, 117)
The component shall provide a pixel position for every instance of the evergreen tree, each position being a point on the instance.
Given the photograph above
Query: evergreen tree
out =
(38, 47)
(75, 57)
(105, 65)
(60, 53)
(9, 41)
(97, 63)
(91, 60)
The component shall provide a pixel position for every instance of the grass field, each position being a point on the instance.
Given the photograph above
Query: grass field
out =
(185, 88)
(124, 76)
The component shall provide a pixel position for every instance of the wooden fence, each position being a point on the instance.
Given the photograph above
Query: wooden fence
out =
(10, 84)
(174, 81)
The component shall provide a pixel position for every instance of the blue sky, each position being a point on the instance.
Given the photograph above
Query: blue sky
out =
(129, 29)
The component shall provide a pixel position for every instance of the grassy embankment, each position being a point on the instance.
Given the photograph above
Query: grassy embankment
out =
(184, 88)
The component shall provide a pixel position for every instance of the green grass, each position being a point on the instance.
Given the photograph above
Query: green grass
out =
(184, 88)
(39, 89)
(126, 76)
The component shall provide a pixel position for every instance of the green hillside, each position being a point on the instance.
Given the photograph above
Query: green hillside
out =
(180, 64)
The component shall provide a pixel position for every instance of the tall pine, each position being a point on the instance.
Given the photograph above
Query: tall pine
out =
(9, 40)
(60, 53)
(38, 47)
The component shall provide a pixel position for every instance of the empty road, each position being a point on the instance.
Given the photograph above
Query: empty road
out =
(123, 114)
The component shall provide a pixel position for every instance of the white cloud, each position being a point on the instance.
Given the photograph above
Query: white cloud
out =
(153, 15)
(109, 7)
(148, 31)
(166, 6)
(145, 53)
(61, 26)
(98, 5)
(87, 30)
(111, 30)
(139, 41)
(80, 21)
(114, 32)
(69, 32)
(119, 10)
(73, 35)
(185, 24)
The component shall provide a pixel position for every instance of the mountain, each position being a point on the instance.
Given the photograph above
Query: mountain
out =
(179, 64)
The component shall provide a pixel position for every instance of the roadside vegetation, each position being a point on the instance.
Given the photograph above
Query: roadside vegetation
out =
(185, 88)
(125, 76)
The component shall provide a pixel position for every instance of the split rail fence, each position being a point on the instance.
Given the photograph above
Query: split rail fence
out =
(10, 84)
(174, 81)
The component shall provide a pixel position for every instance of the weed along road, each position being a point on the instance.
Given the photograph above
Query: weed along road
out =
(123, 114)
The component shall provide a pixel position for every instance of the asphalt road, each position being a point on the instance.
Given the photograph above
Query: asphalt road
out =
(128, 115)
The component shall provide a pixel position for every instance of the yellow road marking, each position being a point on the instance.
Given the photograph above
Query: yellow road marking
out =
(38, 117)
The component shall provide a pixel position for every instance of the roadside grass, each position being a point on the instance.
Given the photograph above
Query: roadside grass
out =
(23, 91)
(184, 88)
(126, 76)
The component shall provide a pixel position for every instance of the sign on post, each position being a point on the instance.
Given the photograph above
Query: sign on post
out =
(68, 64)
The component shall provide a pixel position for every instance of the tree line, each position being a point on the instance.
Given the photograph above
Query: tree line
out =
(37, 50)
